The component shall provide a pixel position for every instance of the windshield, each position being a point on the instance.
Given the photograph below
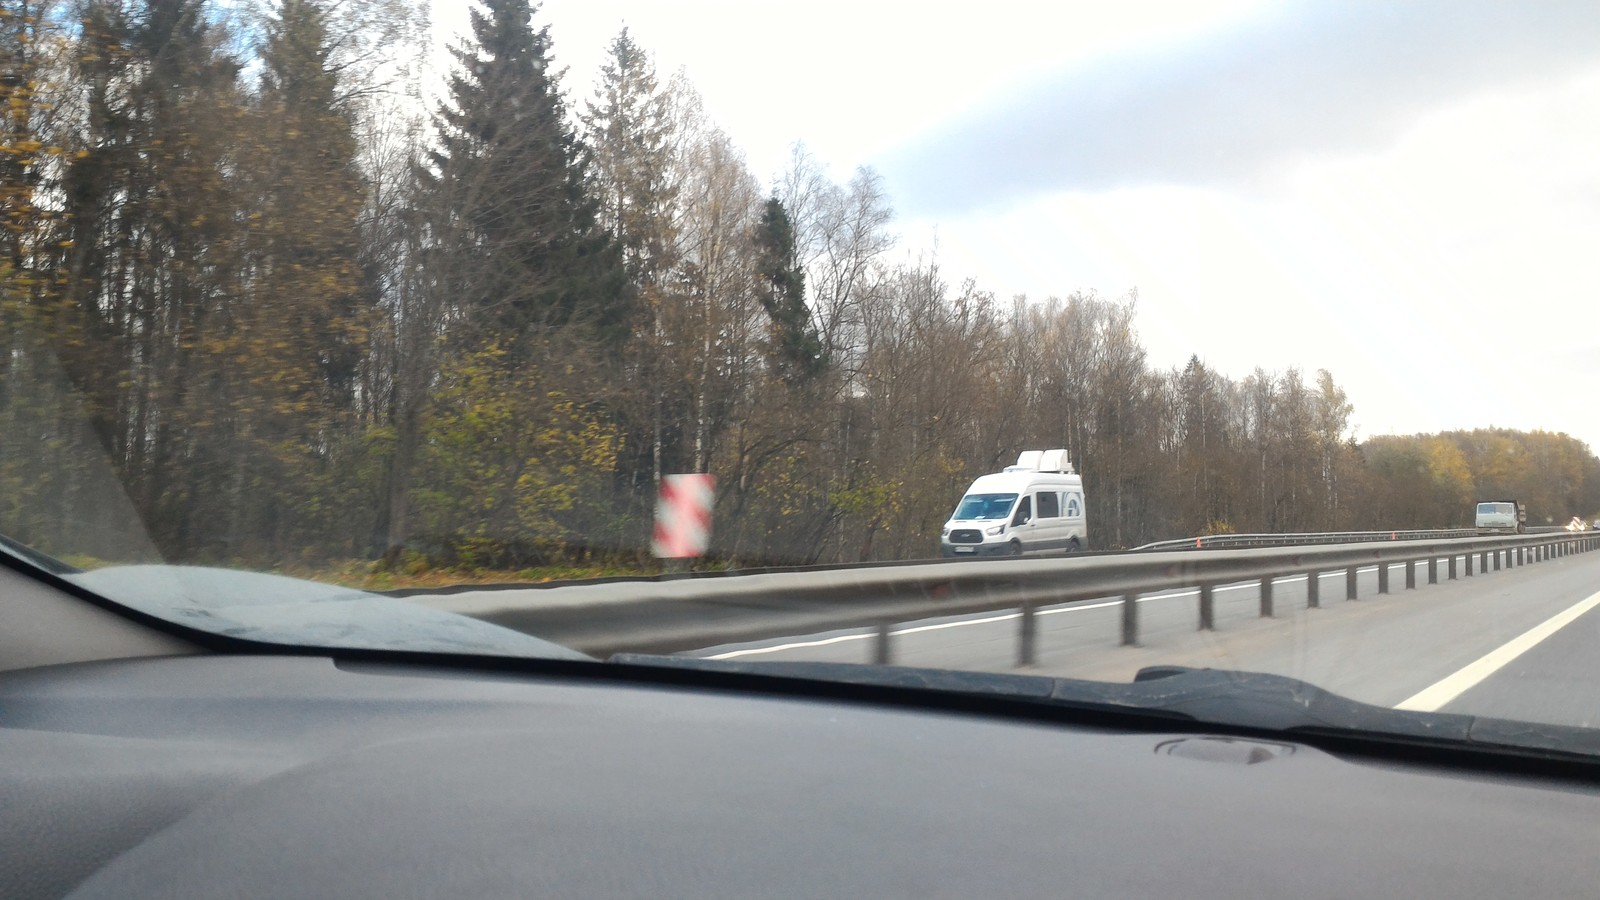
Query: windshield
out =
(520, 313)
(985, 506)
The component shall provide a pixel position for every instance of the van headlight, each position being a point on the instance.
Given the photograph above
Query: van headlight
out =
(946, 532)
(998, 529)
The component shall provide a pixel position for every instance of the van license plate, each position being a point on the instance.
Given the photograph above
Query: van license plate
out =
(966, 549)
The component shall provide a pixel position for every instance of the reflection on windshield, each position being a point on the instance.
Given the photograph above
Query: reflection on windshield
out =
(985, 506)
(288, 287)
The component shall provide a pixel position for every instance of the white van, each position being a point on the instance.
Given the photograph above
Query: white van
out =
(1033, 507)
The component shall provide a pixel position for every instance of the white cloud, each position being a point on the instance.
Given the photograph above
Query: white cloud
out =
(1297, 79)
(1448, 281)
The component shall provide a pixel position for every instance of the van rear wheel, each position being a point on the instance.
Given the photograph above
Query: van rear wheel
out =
(1073, 546)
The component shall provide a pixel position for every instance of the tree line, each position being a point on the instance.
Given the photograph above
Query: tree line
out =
(269, 299)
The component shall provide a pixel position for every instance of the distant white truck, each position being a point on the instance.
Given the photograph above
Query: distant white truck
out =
(1034, 507)
(1501, 517)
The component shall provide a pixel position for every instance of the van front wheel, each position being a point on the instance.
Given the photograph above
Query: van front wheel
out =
(1015, 549)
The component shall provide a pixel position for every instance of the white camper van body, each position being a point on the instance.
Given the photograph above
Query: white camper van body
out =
(1034, 507)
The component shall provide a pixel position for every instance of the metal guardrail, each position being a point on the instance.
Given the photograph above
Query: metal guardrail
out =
(1207, 542)
(681, 615)
(1225, 541)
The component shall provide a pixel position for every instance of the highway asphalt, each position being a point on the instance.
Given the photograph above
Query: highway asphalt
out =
(1519, 643)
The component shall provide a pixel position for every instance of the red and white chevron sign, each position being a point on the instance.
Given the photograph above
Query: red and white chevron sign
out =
(683, 516)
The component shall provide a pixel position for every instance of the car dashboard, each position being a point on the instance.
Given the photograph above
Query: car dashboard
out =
(316, 776)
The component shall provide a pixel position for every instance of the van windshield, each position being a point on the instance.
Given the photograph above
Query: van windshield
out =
(1489, 509)
(985, 506)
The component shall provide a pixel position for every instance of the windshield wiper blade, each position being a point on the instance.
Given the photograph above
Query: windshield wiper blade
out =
(1251, 701)
(35, 558)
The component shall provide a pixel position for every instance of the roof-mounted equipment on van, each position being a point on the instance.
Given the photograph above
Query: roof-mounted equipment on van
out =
(1042, 461)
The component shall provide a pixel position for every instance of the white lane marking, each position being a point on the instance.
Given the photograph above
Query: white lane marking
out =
(1452, 686)
(986, 620)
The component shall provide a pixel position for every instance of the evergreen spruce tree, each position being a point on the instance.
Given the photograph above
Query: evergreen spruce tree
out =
(628, 132)
(517, 250)
(793, 347)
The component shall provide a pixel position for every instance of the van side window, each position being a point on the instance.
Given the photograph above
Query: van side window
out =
(1074, 506)
(1024, 511)
(1049, 505)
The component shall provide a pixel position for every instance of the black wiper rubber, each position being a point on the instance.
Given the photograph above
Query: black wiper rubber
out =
(1250, 701)
(36, 558)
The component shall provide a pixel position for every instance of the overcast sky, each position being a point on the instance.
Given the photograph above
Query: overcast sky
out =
(1406, 194)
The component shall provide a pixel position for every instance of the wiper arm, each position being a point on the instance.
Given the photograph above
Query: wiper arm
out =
(1249, 701)
(35, 558)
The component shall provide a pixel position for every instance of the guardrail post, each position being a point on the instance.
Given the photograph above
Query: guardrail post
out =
(1450, 568)
(1313, 590)
(1130, 620)
(1207, 619)
(880, 644)
(1266, 596)
(1433, 570)
(1497, 560)
(1350, 583)
(1383, 578)
(1411, 573)
(1468, 560)
(1027, 636)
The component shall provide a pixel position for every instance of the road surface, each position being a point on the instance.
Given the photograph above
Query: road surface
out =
(1519, 643)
